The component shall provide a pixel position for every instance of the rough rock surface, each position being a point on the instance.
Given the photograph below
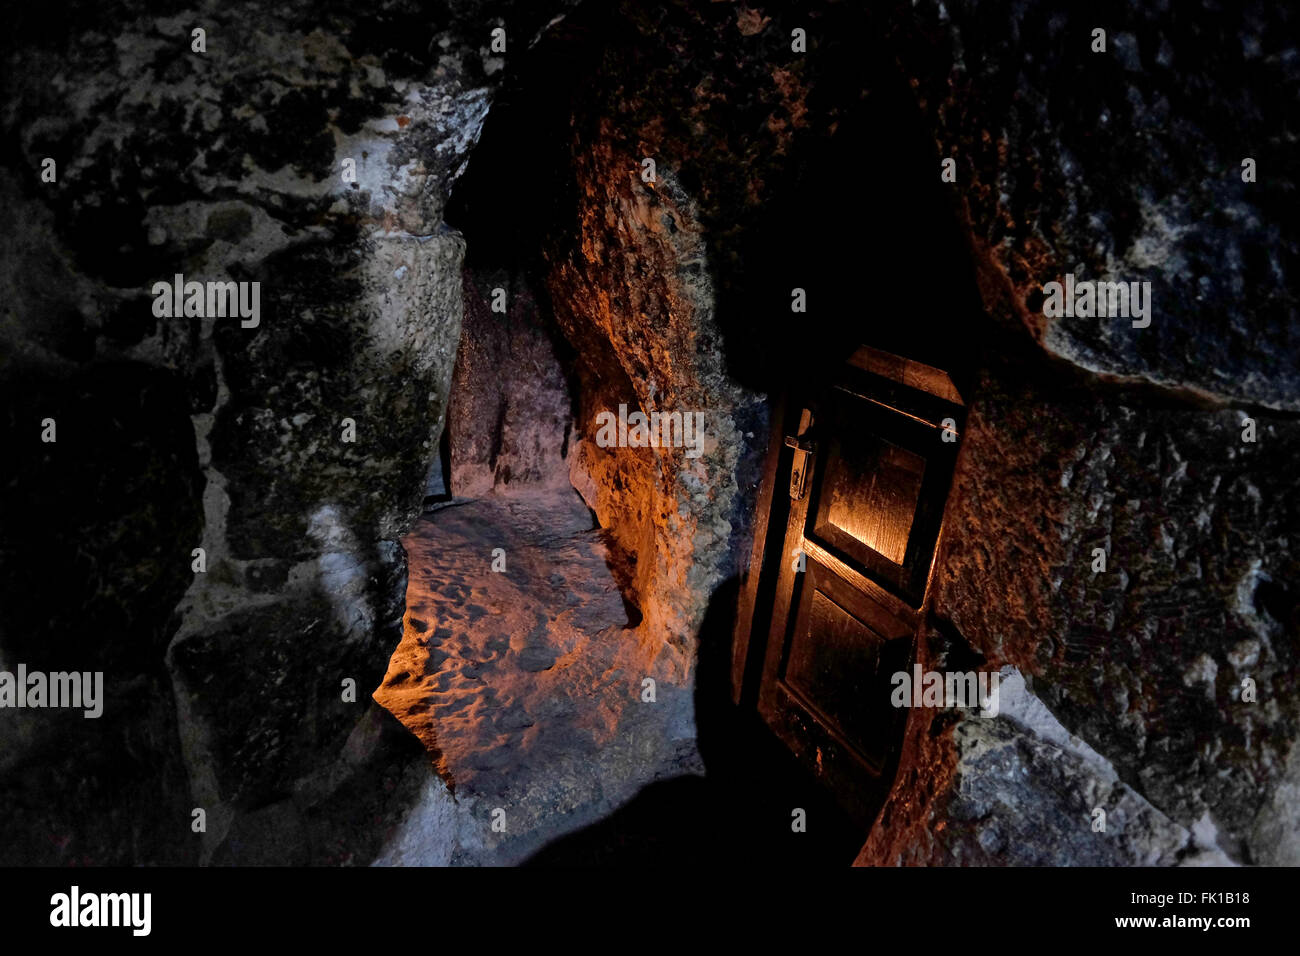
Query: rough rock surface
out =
(1146, 659)
(224, 686)
(511, 418)
(522, 681)
(224, 165)
(1125, 165)
(633, 277)
(1120, 165)
(1018, 789)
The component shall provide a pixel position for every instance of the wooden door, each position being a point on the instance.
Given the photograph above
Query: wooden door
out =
(869, 474)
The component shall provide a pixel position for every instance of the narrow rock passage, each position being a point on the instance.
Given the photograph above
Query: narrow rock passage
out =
(520, 681)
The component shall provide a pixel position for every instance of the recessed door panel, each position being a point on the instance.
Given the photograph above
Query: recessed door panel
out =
(870, 495)
(878, 494)
(841, 653)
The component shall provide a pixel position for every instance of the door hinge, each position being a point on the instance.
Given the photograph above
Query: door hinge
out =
(803, 451)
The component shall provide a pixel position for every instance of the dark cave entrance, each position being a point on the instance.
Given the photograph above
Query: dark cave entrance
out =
(481, 663)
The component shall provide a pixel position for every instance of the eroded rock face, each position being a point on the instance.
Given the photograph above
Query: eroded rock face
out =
(671, 510)
(1125, 165)
(1147, 659)
(637, 275)
(511, 421)
(228, 164)
(1117, 165)
(1018, 789)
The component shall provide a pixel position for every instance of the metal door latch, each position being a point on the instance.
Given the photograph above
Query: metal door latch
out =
(803, 450)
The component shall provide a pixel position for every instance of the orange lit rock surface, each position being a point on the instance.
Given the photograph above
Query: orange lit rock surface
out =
(526, 685)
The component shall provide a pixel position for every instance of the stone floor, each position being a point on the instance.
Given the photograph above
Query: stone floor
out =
(525, 683)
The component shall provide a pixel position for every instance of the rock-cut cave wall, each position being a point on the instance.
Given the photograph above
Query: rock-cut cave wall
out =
(225, 687)
(295, 453)
(1092, 434)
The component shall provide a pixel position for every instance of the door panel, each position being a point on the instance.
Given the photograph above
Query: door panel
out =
(878, 497)
(838, 661)
(869, 497)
